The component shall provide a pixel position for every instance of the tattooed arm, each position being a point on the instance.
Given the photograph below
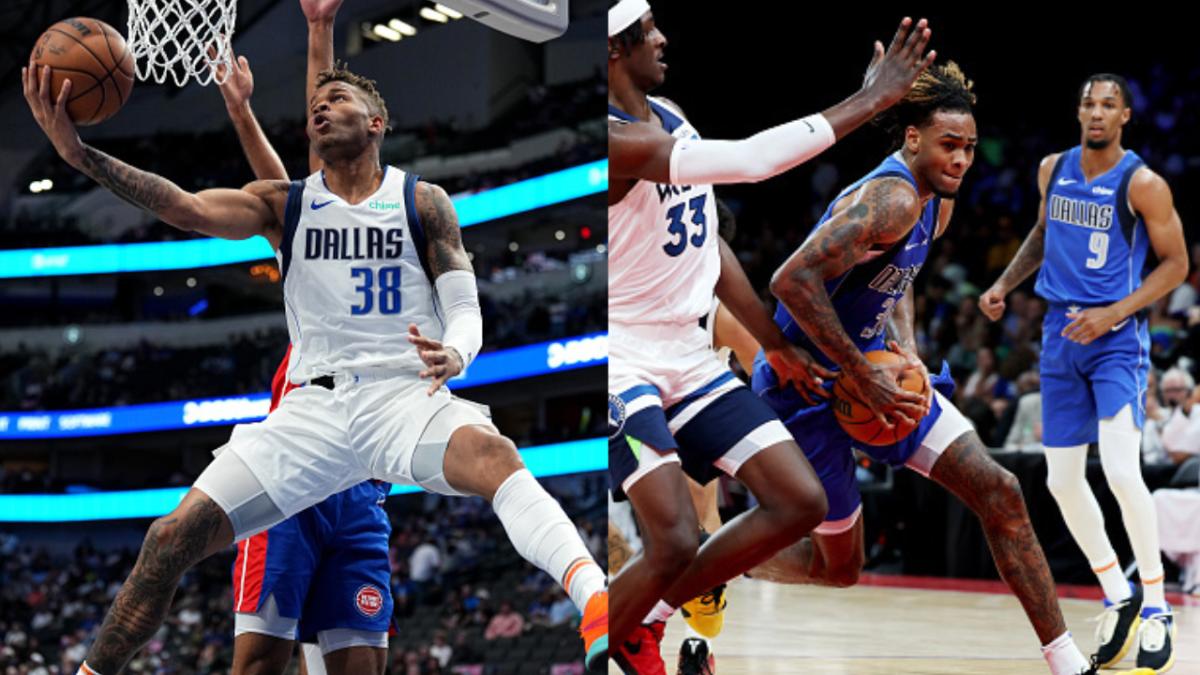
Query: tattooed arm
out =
(1029, 256)
(229, 214)
(454, 281)
(792, 364)
(900, 323)
(881, 213)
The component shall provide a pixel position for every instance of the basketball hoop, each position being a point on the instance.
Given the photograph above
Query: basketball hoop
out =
(173, 37)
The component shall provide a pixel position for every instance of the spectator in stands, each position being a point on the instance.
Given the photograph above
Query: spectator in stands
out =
(1025, 434)
(441, 650)
(562, 610)
(507, 623)
(1181, 431)
(1153, 451)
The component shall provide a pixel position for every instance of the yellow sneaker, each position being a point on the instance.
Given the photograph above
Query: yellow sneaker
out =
(706, 613)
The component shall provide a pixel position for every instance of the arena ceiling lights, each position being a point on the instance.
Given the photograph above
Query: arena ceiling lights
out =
(395, 29)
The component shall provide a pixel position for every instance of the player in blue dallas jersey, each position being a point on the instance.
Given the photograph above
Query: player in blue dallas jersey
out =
(846, 291)
(1102, 208)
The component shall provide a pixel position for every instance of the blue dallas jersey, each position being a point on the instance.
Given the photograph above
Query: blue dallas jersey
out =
(1095, 245)
(865, 295)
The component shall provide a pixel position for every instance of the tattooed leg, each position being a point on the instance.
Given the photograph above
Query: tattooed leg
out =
(196, 529)
(994, 494)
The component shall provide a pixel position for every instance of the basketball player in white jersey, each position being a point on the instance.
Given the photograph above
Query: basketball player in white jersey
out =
(666, 392)
(365, 251)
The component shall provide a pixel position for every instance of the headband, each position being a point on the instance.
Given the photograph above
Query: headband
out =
(624, 13)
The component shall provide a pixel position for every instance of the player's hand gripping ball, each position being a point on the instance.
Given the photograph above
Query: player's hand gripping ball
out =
(857, 419)
(93, 55)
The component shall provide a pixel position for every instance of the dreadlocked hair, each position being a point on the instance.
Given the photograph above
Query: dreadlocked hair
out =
(941, 88)
(340, 73)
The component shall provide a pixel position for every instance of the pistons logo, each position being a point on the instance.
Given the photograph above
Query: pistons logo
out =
(368, 600)
(616, 415)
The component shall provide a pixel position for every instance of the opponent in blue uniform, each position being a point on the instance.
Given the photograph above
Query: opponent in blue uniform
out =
(845, 289)
(322, 576)
(1101, 210)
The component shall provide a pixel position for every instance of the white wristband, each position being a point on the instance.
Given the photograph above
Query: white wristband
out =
(459, 298)
(763, 155)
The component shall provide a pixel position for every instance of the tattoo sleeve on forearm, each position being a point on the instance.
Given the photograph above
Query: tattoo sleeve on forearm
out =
(900, 323)
(875, 218)
(437, 214)
(1027, 259)
(140, 188)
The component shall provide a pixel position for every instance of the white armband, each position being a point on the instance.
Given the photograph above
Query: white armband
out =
(763, 155)
(459, 297)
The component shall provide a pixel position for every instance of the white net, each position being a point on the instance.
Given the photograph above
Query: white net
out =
(182, 39)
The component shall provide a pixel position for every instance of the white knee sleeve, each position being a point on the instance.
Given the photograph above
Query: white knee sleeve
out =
(1066, 476)
(543, 535)
(1120, 455)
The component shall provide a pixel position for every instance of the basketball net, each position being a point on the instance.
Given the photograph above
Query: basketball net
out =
(173, 38)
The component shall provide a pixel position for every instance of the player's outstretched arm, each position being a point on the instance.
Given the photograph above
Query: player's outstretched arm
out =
(883, 212)
(1029, 256)
(794, 365)
(236, 90)
(646, 152)
(320, 15)
(229, 214)
(454, 282)
(889, 76)
(1150, 196)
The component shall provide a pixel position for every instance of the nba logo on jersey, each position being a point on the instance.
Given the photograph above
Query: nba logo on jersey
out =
(368, 600)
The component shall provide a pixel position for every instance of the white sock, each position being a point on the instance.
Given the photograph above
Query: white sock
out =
(1112, 579)
(1120, 455)
(1064, 657)
(85, 669)
(541, 532)
(1066, 477)
(661, 612)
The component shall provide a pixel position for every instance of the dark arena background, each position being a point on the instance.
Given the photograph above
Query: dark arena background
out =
(128, 348)
(738, 70)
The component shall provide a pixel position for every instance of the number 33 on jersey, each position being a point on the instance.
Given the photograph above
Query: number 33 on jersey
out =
(663, 257)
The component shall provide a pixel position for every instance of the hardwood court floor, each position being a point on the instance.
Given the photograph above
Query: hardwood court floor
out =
(873, 630)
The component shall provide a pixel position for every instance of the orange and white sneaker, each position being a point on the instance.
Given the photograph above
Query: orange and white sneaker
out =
(594, 629)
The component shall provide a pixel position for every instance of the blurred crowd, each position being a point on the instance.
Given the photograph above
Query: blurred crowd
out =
(33, 378)
(214, 159)
(463, 598)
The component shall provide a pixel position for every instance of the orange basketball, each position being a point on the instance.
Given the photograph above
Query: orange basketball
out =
(856, 418)
(93, 55)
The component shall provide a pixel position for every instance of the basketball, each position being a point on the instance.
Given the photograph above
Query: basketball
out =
(93, 55)
(857, 419)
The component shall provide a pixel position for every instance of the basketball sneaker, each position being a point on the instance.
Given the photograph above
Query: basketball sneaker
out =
(706, 613)
(1118, 628)
(695, 659)
(1154, 640)
(594, 629)
(641, 654)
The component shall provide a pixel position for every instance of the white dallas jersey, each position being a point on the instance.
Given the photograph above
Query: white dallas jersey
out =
(663, 259)
(354, 277)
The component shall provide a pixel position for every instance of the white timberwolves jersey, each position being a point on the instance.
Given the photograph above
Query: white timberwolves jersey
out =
(354, 277)
(663, 259)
